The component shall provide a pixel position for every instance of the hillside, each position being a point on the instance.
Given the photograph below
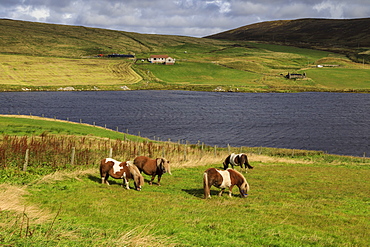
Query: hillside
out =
(41, 39)
(39, 56)
(343, 35)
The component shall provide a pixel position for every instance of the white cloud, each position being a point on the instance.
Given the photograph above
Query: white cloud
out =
(335, 9)
(178, 17)
(40, 13)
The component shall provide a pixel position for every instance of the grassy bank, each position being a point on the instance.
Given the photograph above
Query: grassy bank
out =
(297, 197)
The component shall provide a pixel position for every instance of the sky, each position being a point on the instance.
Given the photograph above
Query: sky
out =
(195, 18)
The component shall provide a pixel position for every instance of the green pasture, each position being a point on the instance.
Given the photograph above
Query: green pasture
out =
(288, 205)
(202, 73)
(22, 126)
(341, 78)
(305, 199)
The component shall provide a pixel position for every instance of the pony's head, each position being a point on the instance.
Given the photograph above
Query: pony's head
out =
(241, 182)
(138, 178)
(164, 165)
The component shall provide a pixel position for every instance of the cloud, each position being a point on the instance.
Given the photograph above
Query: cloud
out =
(335, 10)
(177, 17)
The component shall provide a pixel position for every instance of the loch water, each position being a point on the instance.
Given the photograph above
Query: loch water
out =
(338, 123)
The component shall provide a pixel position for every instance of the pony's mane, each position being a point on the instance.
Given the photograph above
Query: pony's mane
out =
(133, 169)
(239, 174)
(135, 172)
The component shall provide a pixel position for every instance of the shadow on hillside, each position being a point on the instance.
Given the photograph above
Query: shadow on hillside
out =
(111, 180)
(195, 192)
(94, 178)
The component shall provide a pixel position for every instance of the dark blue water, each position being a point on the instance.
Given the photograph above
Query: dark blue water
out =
(334, 122)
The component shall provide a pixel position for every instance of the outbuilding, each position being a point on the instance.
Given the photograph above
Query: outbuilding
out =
(163, 59)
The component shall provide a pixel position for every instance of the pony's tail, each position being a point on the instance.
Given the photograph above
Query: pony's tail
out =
(247, 162)
(206, 186)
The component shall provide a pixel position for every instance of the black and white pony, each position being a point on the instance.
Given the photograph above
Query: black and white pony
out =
(237, 160)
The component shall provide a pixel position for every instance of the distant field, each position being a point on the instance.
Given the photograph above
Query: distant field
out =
(341, 78)
(202, 73)
(37, 56)
(52, 71)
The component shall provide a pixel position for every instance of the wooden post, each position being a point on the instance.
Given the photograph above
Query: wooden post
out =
(215, 151)
(228, 147)
(110, 152)
(73, 156)
(185, 152)
(26, 158)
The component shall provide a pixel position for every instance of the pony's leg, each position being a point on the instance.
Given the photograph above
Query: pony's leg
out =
(151, 180)
(104, 180)
(159, 180)
(231, 190)
(124, 180)
(222, 190)
(245, 168)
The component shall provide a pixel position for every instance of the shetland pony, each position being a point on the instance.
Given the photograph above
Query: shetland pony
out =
(237, 160)
(125, 170)
(224, 179)
(153, 167)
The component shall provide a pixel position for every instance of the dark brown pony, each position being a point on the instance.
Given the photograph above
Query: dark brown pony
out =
(224, 179)
(153, 167)
(125, 170)
(237, 160)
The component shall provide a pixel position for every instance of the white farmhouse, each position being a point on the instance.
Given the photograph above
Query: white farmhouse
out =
(163, 59)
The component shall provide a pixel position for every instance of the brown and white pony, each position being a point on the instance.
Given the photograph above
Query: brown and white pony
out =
(125, 170)
(237, 160)
(224, 179)
(153, 167)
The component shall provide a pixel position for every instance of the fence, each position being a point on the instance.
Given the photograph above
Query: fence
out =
(57, 152)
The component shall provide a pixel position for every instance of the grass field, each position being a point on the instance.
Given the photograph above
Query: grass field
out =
(305, 199)
(50, 71)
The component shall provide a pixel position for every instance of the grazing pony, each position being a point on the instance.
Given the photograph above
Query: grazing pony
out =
(152, 167)
(125, 170)
(237, 160)
(224, 179)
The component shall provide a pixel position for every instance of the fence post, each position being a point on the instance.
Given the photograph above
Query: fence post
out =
(26, 160)
(215, 150)
(185, 147)
(73, 156)
(110, 152)
(228, 147)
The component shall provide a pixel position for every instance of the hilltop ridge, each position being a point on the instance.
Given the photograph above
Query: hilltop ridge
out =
(349, 36)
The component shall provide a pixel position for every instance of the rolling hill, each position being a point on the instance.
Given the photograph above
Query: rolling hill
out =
(350, 36)
(40, 56)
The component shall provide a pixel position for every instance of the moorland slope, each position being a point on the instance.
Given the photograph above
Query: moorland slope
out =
(349, 36)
